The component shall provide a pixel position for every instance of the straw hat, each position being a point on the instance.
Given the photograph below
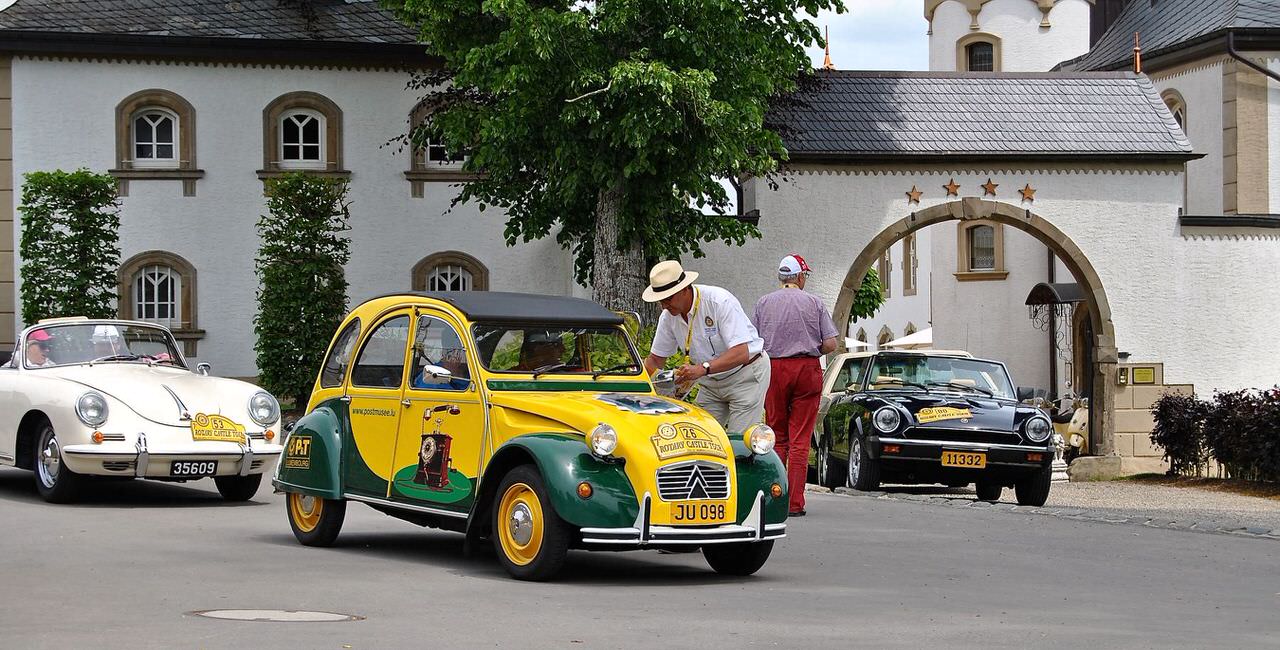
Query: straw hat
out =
(667, 279)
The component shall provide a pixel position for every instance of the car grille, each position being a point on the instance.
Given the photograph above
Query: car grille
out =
(965, 435)
(695, 479)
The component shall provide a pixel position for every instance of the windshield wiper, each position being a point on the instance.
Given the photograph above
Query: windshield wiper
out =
(621, 366)
(895, 380)
(117, 357)
(550, 367)
(964, 386)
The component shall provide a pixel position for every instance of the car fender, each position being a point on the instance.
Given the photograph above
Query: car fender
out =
(756, 475)
(564, 461)
(312, 452)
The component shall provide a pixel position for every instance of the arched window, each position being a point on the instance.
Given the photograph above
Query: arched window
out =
(302, 131)
(431, 161)
(302, 140)
(160, 287)
(156, 140)
(862, 335)
(885, 336)
(980, 251)
(978, 52)
(910, 329)
(450, 271)
(1177, 106)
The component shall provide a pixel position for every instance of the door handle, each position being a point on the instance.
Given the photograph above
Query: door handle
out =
(406, 403)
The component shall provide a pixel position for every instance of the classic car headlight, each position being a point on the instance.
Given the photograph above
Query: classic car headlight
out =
(887, 419)
(91, 408)
(1038, 429)
(603, 440)
(760, 438)
(263, 408)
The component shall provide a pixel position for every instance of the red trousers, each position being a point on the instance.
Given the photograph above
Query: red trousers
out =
(791, 410)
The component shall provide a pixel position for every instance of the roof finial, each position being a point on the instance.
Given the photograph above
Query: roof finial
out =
(1137, 54)
(826, 59)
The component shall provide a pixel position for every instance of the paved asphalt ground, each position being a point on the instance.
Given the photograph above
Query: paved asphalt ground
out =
(124, 569)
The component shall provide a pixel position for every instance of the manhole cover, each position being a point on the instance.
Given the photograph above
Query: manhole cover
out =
(276, 615)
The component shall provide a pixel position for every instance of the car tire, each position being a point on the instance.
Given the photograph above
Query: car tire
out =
(532, 540)
(742, 559)
(827, 474)
(1034, 489)
(864, 471)
(55, 482)
(988, 491)
(315, 521)
(238, 488)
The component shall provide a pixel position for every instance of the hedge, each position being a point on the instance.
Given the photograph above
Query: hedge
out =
(1240, 430)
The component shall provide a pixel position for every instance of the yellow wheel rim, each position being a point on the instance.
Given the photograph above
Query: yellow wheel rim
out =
(305, 510)
(520, 524)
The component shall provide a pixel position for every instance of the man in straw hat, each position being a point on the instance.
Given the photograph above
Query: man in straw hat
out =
(725, 352)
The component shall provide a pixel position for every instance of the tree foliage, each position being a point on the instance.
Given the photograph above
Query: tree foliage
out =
(598, 121)
(303, 288)
(869, 298)
(70, 256)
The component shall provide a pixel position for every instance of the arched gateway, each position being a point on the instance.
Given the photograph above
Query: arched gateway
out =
(1103, 348)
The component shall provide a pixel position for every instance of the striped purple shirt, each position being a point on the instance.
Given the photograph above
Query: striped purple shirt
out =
(793, 323)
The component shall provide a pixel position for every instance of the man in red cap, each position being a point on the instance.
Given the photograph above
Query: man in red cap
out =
(38, 350)
(797, 329)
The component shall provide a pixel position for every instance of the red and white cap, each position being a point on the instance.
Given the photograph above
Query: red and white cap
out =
(793, 264)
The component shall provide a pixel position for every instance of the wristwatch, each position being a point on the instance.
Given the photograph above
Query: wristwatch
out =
(706, 365)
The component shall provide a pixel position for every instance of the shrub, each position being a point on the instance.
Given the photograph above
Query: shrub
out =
(303, 294)
(70, 230)
(1179, 430)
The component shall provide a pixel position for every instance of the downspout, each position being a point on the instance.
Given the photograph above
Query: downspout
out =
(1053, 334)
(1235, 54)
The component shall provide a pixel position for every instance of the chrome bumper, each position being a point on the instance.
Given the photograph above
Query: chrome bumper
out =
(142, 453)
(643, 533)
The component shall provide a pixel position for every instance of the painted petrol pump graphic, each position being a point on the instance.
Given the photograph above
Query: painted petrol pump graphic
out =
(433, 477)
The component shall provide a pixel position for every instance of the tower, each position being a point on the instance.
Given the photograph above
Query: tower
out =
(1005, 35)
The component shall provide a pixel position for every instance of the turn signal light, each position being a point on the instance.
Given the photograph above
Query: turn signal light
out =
(891, 449)
(269, 435)
(97, 437)
(775, 490)
(1035, 458)
(584, 490)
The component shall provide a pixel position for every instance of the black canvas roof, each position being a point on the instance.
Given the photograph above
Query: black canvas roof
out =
(1167, 25)
(946, 116)
(521, 308)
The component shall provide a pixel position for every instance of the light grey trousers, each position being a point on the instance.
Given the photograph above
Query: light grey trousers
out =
(737, 401)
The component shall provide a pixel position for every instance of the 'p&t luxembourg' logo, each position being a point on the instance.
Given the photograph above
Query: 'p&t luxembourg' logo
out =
(298, 453)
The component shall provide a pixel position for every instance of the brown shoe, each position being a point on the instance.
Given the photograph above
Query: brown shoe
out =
(798, 513)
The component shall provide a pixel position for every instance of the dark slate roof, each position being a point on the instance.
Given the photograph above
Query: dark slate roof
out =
(352, 21)
(520, 308)
(1166, 25)
(854, 115)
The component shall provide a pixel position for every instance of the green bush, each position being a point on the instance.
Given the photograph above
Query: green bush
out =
(303, 294)
(1240, 430)
(1179, 430)
(70, 256)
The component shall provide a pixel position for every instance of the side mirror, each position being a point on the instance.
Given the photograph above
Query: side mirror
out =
(203, 368)
(1025, 393)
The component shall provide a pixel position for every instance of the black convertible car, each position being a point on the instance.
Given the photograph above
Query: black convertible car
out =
(928, 416)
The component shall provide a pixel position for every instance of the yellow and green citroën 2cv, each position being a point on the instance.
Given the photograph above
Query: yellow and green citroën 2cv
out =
(527, 420)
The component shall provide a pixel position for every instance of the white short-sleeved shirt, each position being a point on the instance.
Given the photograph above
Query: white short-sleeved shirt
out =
(718, 324)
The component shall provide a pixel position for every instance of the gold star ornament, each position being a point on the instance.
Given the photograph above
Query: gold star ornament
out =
(952, 188)
(1028, 193)
(914, 195)
(989, 188)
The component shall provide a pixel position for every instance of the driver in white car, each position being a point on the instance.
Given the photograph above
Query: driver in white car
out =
(38, 350)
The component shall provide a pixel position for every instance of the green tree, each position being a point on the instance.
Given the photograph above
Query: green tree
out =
(868, 300)
(303, 294)
(70, 256)
(601, 122)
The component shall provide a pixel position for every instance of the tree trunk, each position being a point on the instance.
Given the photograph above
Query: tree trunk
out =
(619, 274)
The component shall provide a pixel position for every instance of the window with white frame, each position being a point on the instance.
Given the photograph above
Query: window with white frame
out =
(155, 138)
(982, 248)
(302, 137)
(434, 154)
(449, 277)
(157, 295)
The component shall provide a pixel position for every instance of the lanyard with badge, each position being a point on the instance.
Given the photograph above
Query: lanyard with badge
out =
(693, 313)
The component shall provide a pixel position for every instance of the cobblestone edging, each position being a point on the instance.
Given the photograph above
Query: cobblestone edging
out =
(1078, 514)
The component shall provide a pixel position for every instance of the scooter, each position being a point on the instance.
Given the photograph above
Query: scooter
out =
(1071, 426)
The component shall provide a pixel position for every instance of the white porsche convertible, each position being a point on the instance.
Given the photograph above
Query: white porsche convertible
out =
(84, 398)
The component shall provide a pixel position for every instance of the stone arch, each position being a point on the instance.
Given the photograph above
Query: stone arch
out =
(1102, 420)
